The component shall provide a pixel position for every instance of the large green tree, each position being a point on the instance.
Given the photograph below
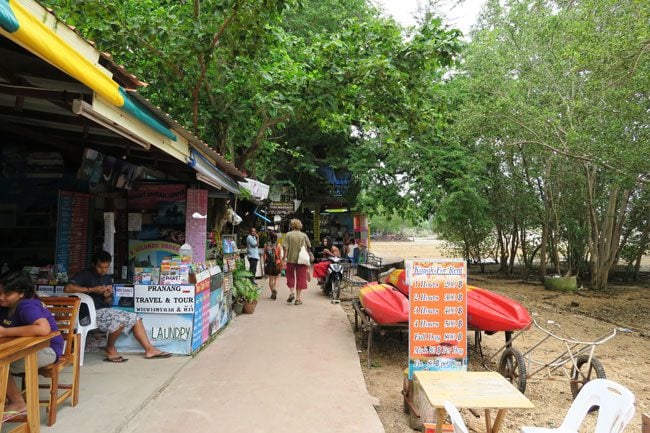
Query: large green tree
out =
(562, 86)
(246, 75)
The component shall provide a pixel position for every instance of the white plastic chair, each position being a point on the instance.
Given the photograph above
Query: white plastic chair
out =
(86, 300)
(456, 418)
(615, 409)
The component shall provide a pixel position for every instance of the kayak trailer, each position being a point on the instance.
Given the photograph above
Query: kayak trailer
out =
(369, 327)
(576, 364)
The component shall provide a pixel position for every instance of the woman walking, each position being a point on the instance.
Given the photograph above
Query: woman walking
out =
(273, 263)
(296, 273)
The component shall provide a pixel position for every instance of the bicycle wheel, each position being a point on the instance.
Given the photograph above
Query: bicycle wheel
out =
(512, 366)
(584, 372)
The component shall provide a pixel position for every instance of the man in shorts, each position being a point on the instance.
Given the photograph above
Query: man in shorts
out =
(99, 286)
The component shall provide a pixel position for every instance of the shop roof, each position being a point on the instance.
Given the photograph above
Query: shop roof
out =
(45, 89)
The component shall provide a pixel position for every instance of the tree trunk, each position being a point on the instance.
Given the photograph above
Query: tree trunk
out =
(524, 251)
(643, 245)
(605, 236)
(514, 244)
(542, 252)
(503, 251)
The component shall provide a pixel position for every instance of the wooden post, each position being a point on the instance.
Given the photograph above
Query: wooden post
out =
(645, 423)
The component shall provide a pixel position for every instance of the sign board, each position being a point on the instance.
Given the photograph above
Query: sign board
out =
(169, 332)
(438, 314)
(281, 208)
(166, 299)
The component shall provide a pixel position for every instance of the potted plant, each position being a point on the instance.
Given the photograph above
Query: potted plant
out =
(245, 291)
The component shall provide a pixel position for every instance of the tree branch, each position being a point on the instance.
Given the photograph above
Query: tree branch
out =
(259, 137)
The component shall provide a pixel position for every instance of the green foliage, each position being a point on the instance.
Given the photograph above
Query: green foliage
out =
(244, 289)
(252, 78)
(463, 219)
(552, 99)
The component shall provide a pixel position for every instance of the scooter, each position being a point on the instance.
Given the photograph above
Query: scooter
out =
(334, 279)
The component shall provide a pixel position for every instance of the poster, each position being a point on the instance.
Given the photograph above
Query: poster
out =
(147, 254)
(438, 314)
(72, 228)
(201, 319)
(123, 296)
(196, 228)
(135, 221)
(109, 238)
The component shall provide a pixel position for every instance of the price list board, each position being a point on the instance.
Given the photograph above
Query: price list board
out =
(438, 314)
(73, 228)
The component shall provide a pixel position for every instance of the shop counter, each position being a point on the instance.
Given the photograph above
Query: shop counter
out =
(178, 318)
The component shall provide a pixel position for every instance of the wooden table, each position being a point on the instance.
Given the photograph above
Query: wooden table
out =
(486, 390)
(13, 349)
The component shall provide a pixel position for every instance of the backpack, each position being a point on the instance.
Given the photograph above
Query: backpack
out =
(272, 264)
(271, 255)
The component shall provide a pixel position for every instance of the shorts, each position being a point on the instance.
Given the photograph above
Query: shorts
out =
(45, 356)
(110, 320)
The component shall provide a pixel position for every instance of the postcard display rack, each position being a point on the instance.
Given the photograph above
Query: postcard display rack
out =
(230, 255)
(180, 310)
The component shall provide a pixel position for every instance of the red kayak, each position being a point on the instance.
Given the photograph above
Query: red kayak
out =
(489, 311)
(486, 310)
(384, 303)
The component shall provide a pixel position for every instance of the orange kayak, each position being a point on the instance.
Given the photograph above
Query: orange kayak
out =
(486, 310)
(385, 304)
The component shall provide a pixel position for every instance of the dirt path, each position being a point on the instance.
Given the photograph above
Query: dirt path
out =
(585, 315)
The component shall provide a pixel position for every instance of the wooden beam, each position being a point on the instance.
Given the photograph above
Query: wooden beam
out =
(38, 93)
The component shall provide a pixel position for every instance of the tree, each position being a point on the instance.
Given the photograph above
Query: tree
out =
(562, 82)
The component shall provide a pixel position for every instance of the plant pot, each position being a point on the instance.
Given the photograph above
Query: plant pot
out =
(249, 307)
(561, 284)
(238, 308)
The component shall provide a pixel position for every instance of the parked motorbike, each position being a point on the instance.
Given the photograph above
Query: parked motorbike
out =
(334, 279)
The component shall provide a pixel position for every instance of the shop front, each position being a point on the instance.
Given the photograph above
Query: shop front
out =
(87, 165)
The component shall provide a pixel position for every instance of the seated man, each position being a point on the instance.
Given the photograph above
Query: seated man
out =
(99, 286)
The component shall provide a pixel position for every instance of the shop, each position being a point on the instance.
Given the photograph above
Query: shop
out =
(86, 165)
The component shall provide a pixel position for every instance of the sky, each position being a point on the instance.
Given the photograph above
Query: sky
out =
(461, 16)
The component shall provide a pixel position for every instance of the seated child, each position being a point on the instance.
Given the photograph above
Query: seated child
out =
(22, 314)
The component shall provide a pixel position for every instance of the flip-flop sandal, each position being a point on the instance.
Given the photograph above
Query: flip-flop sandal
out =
(117, 359)
(159, 356)
(298, 302)
(11, 414)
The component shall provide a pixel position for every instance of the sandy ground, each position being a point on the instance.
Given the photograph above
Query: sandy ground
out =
(585, 315)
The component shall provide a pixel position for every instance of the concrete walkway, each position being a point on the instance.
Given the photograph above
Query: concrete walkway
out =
(285, 368)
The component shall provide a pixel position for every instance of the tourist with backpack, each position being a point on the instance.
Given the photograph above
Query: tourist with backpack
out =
(273, 262)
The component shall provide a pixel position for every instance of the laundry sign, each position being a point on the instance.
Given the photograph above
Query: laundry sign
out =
(164, 298)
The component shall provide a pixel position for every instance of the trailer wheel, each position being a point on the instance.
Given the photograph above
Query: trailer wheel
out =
(583, 373)
(512, 366)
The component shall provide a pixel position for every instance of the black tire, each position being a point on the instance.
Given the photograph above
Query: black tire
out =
(336, 289)
(512, 366)
(580, 376)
